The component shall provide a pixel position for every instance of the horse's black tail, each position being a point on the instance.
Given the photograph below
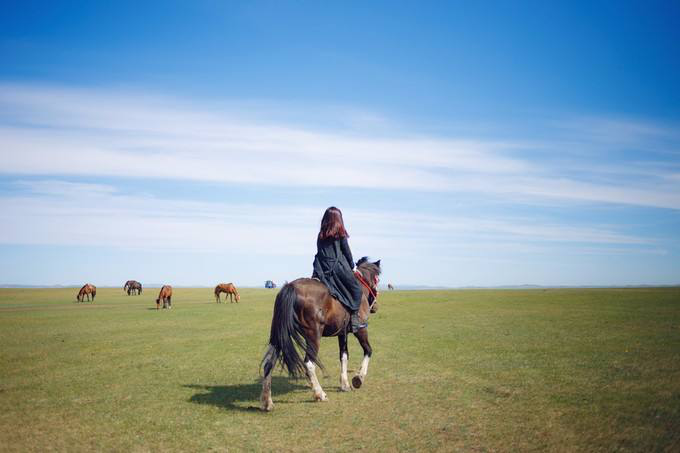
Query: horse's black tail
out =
(286, 337)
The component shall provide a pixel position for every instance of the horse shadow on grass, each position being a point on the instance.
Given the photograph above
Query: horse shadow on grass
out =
(229, 396)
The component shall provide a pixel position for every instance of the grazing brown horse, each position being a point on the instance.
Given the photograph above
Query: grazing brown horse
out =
(166, 296)
(132, 287)
(390, 287)
(229, 289)
(304, 311)
(87, 290)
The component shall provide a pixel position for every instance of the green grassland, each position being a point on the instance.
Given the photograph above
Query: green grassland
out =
(486, 370)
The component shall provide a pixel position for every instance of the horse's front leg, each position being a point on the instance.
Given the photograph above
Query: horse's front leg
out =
(362, 336)
(344, 357)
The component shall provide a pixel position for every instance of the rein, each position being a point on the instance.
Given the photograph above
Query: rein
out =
(363, 281)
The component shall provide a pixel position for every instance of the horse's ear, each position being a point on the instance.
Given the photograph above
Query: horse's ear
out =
(377, 263)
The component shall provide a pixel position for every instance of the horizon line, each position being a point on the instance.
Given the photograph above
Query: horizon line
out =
(397, 287)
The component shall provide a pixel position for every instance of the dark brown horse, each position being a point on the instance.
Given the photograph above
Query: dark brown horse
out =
(87, 290)
(126, 286)
(164, 295)
(390, 287)
(229, 289)
(133, 287)
(304, 311)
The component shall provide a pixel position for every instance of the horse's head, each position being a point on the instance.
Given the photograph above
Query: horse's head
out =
(371, 275)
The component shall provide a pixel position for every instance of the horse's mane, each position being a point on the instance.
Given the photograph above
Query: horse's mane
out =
(366, 267)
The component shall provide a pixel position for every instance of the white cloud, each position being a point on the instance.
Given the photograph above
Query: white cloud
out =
(63, 131)
(63, 213)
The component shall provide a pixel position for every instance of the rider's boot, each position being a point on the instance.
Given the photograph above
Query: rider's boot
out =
(355, 322)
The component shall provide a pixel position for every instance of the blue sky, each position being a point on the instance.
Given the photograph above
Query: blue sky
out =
(467, 143)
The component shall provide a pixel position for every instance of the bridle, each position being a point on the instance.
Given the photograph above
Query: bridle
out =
(371, 291)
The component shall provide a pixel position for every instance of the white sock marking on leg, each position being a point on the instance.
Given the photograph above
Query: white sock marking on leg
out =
(344, 381)
(318, 391)
(364, 366)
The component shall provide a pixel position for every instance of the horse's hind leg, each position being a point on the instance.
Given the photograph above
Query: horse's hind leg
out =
(362, 336)
(268, 362)
(319, 394)
(344, 357)
(313, 342)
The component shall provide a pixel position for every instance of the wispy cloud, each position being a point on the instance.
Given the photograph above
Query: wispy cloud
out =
(64, 213)
(64, 131)
(621, 132)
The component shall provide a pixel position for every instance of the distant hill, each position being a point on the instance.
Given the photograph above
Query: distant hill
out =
(527, 286)
(10, 285)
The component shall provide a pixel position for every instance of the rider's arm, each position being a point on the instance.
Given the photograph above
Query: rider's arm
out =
(344, 247)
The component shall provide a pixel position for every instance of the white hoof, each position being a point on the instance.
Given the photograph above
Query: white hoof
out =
(267, 406)
(321, 397)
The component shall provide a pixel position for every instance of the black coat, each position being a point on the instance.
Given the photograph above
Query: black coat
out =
(333, 265)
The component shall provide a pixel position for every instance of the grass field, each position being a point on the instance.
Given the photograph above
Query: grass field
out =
(555, 370)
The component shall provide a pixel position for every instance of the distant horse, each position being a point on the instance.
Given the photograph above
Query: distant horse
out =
(229, 289)
(304, 311)
(87, 290)
(166, 296)
(134, 288)
(127, 286)
(390, 287)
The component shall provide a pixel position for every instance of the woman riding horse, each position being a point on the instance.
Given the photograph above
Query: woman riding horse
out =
(333, 264)
(333, 303)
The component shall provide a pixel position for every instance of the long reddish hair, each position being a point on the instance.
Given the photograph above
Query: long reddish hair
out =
(332, 225)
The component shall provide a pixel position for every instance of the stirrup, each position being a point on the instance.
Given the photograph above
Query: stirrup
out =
(355, 328)
(363, 325)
